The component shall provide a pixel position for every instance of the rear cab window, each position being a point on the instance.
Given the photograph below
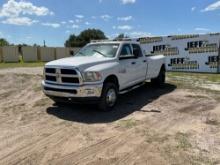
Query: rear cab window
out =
(137, 48)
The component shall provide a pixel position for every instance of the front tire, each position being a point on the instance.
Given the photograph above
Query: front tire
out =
(109, 97)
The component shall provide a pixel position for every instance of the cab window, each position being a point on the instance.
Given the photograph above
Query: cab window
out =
(126, 51)
(137, 50)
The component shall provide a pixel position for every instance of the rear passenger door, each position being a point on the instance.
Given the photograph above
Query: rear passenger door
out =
(127, 66)
(140, 63)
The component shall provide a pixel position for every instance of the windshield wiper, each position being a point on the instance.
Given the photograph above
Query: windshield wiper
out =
(99, 52)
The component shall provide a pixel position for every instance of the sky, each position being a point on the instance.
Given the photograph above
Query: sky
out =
(33, 21)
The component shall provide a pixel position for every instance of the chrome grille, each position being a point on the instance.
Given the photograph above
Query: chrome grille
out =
(65, 76)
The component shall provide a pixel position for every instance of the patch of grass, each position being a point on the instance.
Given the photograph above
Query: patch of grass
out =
(157, 138)
(180, 84)
(151, 136)
(201, 159)
(21, 64)
(197, 76)
(182, 140)
(195, 82)
(42, 102)
(37, 88)
(175, 156)
(183, 152)
(127, 123)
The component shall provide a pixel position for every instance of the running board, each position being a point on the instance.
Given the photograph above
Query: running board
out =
(126, 90)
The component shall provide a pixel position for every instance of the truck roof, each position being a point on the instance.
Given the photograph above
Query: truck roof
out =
(114, 42)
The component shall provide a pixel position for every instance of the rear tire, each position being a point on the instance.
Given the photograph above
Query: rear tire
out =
(109, 97)
(160, 79)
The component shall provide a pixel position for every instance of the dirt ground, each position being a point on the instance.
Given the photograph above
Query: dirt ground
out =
(171, 125)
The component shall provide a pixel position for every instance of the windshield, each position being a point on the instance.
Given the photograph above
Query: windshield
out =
(104, 50)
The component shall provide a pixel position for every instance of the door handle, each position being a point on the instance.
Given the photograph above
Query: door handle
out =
(144, 61)
(133, 63)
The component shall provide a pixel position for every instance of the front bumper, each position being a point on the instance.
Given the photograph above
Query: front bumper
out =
(82, 91)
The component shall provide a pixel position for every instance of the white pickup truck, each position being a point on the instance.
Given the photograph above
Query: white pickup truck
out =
(100, 71)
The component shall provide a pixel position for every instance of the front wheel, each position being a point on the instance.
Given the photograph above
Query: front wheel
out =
(109, 97)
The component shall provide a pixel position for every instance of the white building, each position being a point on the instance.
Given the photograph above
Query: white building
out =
(190, 53)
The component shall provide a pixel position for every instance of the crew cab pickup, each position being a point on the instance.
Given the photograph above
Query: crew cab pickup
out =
(100, 71)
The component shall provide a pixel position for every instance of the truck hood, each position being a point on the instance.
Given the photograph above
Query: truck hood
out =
(79, 62)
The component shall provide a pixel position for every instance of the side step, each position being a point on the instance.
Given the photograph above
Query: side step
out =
(126, 90)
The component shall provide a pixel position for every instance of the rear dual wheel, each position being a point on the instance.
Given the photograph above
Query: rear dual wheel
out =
(160, 79)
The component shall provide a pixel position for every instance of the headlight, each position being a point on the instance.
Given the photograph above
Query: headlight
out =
(91, 76)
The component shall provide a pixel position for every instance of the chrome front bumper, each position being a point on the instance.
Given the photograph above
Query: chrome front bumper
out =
(93, 90)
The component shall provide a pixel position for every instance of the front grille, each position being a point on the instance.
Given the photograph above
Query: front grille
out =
(68, 71)
(50, 70)
(71, 91)
(62, 76)
(70, 80)
(51, 78)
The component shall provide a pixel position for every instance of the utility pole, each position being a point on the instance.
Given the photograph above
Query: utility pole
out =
(218, 60)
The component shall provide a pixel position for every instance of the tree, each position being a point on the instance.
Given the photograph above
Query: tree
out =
(3, 42)
(84, 37)
(36, 45)
(72, 41)
(121, 36)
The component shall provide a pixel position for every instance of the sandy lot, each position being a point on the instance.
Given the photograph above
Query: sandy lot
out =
(172, 125)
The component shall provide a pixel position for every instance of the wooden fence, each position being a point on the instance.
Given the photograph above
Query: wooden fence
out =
(34, 54)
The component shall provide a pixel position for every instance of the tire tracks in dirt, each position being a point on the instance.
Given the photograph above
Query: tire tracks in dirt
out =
(21, 154)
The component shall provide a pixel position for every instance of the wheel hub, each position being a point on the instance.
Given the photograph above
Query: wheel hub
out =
(111, 97)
